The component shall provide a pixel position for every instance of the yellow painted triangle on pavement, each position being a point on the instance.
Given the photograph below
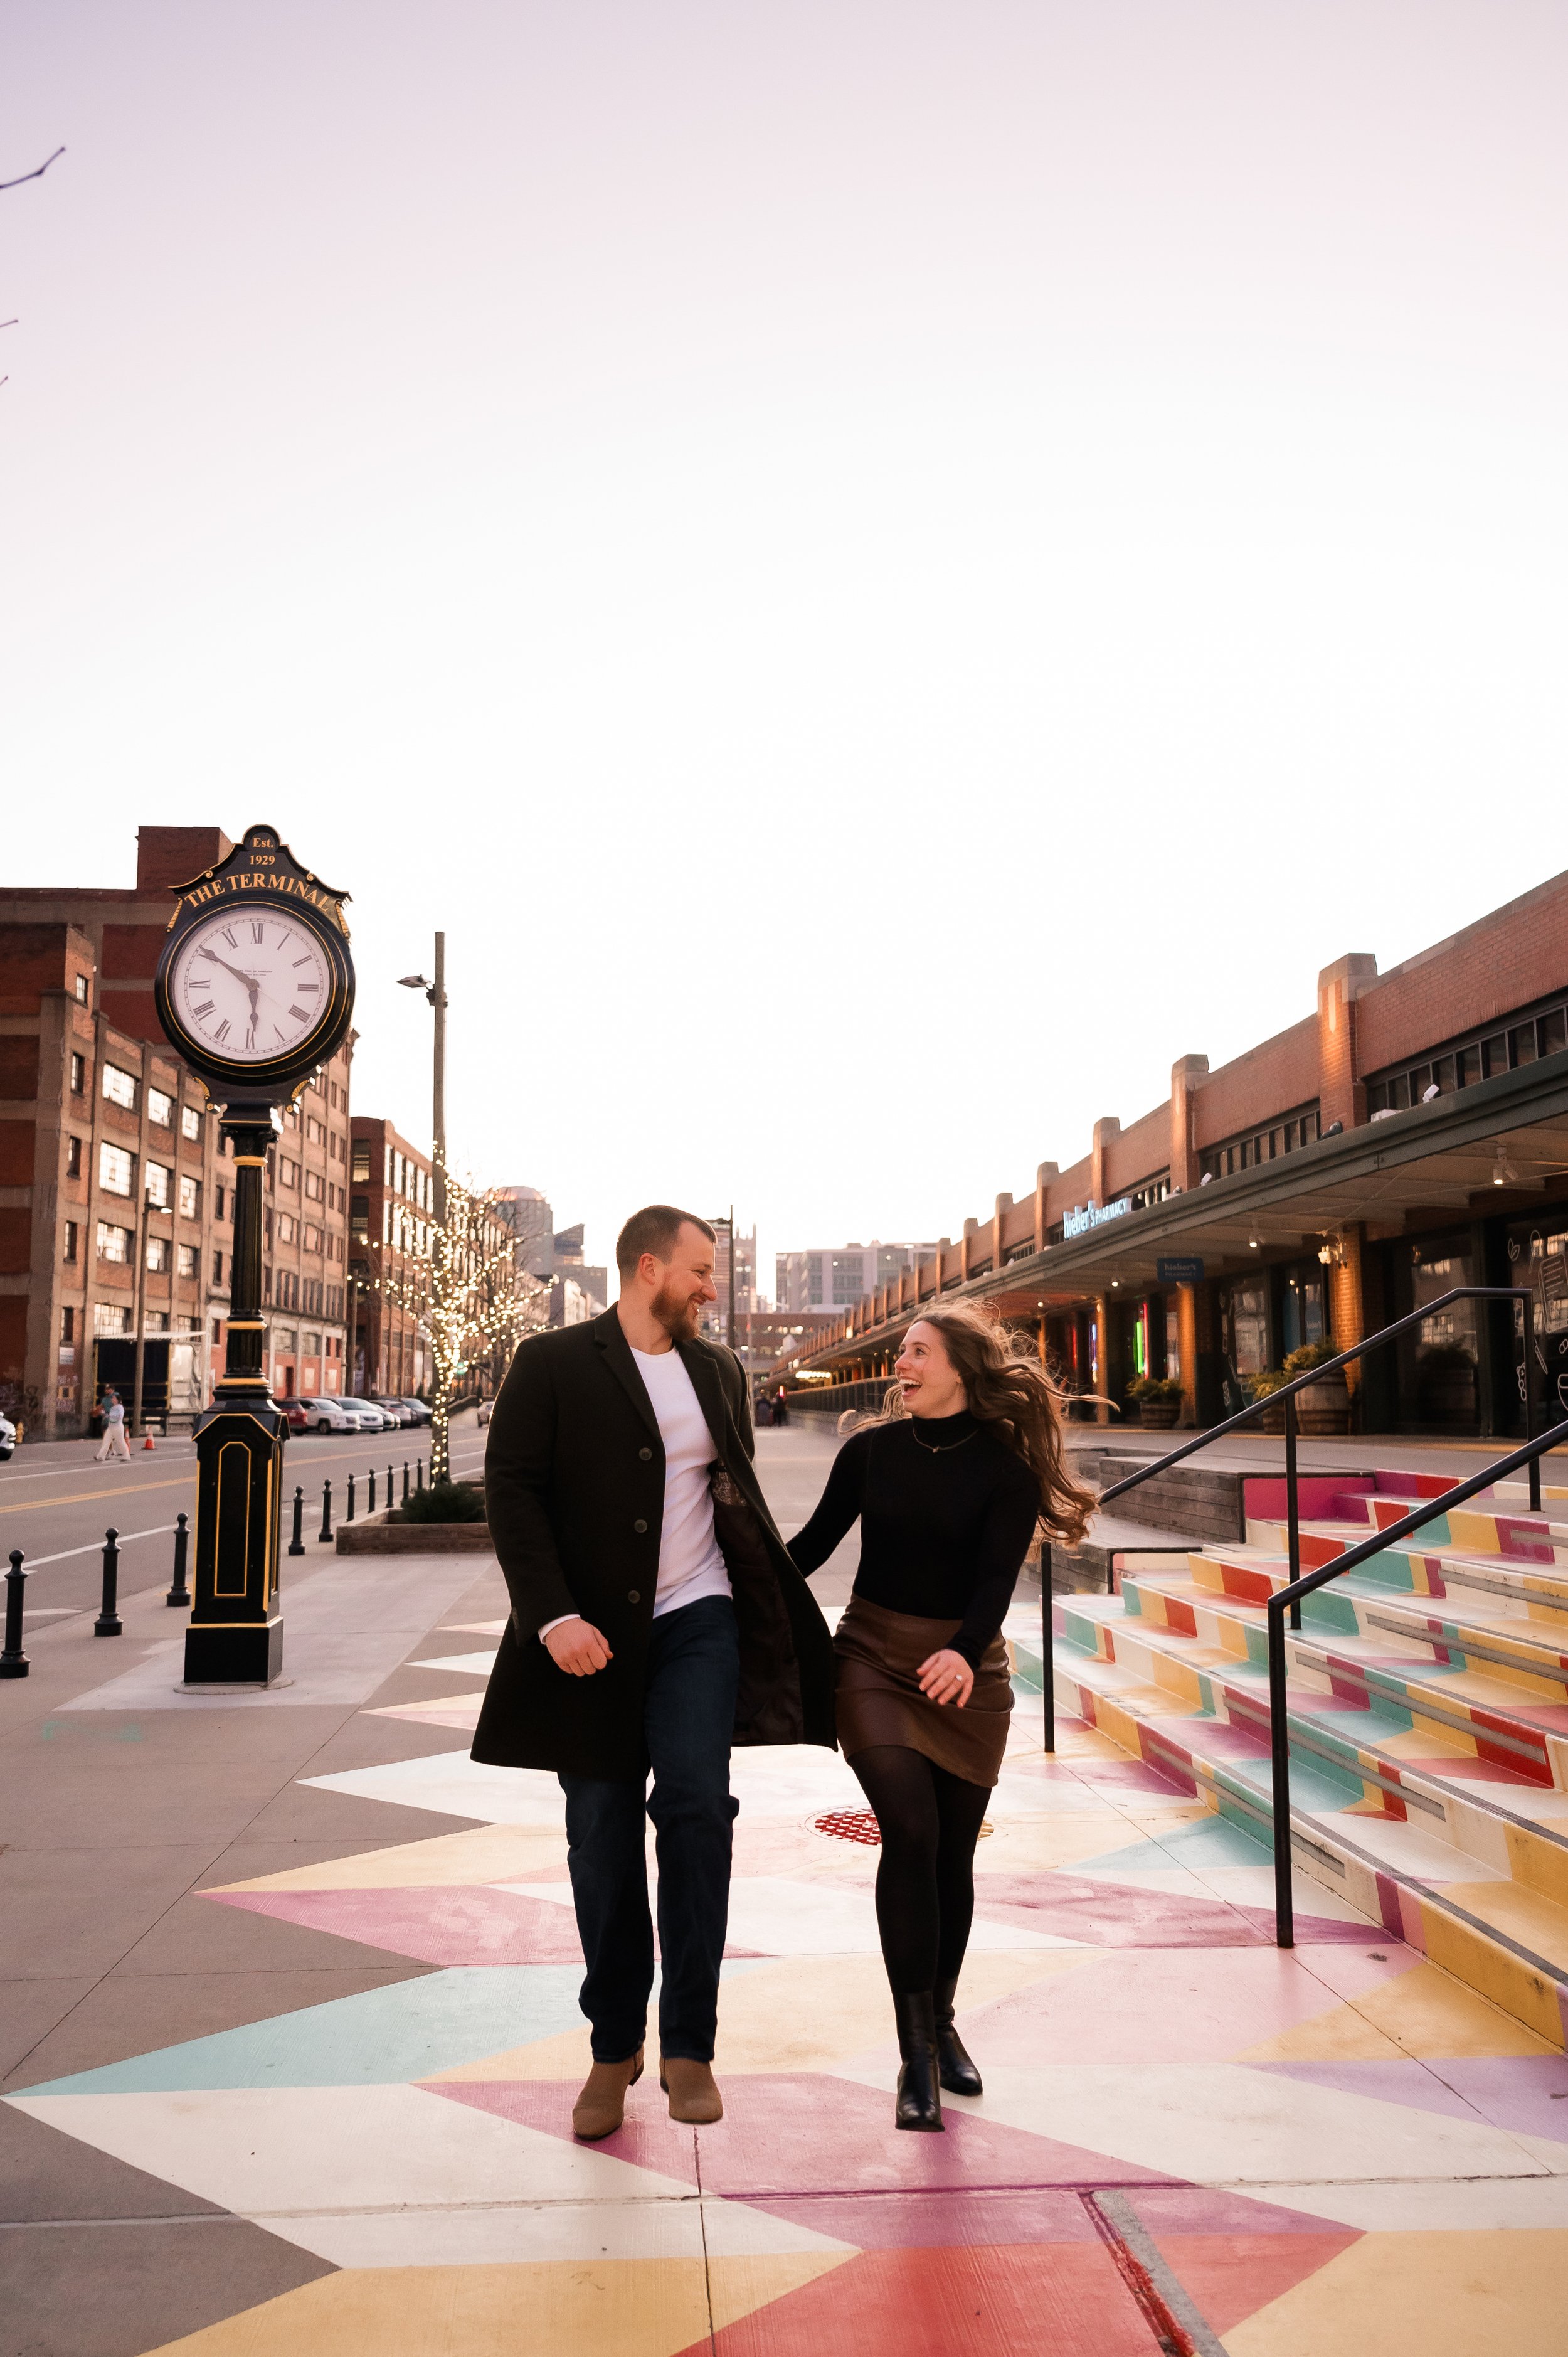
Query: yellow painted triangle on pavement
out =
(616, 2308)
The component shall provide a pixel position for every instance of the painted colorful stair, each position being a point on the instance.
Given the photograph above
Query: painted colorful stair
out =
(1428, 1718)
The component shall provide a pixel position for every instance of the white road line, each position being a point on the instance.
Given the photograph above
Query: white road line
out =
(95, 1547)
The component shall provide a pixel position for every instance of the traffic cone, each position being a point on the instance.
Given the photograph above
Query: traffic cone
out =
(148, 1442)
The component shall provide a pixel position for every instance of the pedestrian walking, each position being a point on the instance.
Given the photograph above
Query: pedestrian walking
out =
(113, 1441)
(656, 1618)
(950, 1483)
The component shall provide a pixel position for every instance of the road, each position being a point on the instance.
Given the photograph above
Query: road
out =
(55, 1504)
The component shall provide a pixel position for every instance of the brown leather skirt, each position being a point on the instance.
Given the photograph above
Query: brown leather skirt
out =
(877, 1656)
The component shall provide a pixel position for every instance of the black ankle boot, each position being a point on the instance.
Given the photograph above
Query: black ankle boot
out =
(919, 2104)
(957, 2073)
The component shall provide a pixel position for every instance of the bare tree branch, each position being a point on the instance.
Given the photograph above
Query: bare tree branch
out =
(38, 175)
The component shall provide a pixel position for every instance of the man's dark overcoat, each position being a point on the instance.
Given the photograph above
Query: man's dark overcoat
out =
(574, 1495)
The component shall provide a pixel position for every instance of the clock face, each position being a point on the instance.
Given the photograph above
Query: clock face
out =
(250, 988)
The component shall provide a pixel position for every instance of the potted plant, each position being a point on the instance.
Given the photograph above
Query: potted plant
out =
(1263, 1387)
(1158, 1399)
(1324, 1408)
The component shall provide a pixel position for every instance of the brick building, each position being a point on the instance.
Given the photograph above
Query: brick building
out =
(391, 1195)
(1408, 1136)
(110, 1156)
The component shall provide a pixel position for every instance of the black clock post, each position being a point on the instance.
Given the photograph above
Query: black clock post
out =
(243, 920)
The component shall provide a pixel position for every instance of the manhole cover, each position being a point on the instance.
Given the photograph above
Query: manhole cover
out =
(860, 1825)
(850, 1825)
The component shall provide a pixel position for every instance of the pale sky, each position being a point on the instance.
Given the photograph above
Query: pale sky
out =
(884, 570)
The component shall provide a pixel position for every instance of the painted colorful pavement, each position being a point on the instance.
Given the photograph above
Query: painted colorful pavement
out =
(1188, 2139)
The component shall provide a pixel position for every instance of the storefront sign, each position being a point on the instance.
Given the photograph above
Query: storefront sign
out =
(1096, 1215)
(1180, 1272)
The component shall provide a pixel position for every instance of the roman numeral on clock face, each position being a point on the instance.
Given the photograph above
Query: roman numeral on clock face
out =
(229, 936)
(221, 1032)
(202, 1012)
(256, 931)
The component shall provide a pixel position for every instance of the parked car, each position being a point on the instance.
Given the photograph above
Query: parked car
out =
(372, 1418)
(398, 1409)
(325, 1415)
(419, 1409)
(7, 1438)
(487, 1409)
(293, 1413)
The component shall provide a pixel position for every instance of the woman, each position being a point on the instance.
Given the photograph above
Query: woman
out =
(950, 1483)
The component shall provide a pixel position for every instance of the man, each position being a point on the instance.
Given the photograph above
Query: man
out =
(113, 1441)
(655, 1617)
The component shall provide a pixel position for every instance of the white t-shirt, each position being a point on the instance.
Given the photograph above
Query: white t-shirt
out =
(691, 1562)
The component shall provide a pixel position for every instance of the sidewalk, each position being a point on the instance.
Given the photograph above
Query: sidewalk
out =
(292, 2039)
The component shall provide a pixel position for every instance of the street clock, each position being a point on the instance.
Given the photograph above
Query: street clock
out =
(255, 985)
(255, 990)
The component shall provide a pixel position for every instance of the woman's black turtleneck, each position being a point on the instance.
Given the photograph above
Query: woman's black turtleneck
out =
(947, 1511)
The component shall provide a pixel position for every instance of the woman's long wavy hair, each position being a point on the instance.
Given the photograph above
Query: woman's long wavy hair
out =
(1006, 1386)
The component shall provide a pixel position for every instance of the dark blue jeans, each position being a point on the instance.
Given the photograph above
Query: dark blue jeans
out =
(693, 1669)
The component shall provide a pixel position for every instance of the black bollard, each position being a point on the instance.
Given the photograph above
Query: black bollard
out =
(297, 1544)
(324, 1534)
(180, 1594)
(371, 1507)
(419, 1474)
(349, 1515)
(13, 1661)
(405, 1480)
(108, 1622)
(390, 1501)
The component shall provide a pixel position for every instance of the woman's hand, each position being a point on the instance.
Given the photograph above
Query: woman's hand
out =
(947, 1677)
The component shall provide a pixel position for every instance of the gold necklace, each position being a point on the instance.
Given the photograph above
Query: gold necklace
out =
(938, 1448)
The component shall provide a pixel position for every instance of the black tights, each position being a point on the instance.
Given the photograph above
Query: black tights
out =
(925, 1879)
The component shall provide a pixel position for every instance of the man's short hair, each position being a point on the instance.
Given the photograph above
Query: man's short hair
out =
(654, 1229)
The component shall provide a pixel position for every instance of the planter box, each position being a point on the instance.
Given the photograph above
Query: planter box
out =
(1159, 1416)
(1322, 1410)
(375, 1535)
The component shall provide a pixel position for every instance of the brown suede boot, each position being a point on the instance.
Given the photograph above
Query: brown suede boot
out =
(601, 2108)
(694, 2095)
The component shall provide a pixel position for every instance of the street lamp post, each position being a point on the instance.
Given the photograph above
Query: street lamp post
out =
(164, 1210)
(436, 993)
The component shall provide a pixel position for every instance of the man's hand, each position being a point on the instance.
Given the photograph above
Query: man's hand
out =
(577, 1647)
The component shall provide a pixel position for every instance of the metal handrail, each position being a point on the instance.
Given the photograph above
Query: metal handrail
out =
(1288, 1598)
(1279, 1730)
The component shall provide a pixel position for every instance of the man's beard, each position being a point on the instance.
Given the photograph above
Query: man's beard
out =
(680, 1315)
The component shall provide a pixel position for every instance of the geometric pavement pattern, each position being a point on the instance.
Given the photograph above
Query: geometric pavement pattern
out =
(1188, 2139)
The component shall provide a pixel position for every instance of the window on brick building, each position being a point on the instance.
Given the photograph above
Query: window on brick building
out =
(78, 1075)
(288, 1228)
(189, 1198)
(158, 1254)
(117, 1170)
(160, 1186)
(68, 1324)
(160, 1108)
(288, 1172)
(71, 1235)
(109, 1318)
(361, 1169)
(80, 986)
(315, 1186)
(314, 1130)
(189, 1260)
(113, 1243)
(73, 1158)
(120, 1088)
(216, 1268)
(216, 1330)
(189, 1122)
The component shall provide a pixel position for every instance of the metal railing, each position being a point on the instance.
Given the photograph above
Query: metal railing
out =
(1289, 1598)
